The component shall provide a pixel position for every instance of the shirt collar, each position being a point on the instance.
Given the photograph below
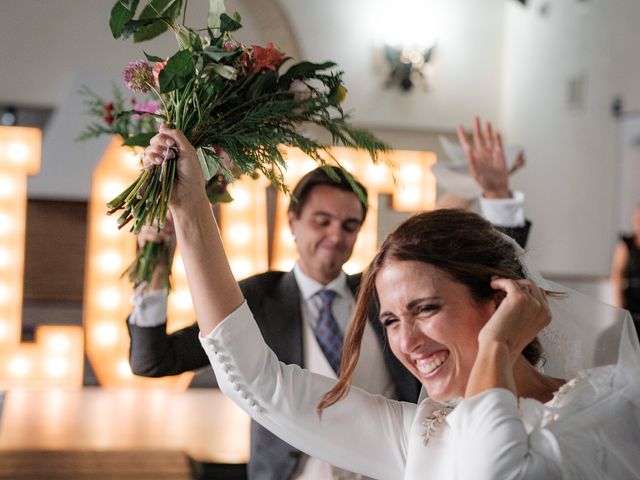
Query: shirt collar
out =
(309, 287)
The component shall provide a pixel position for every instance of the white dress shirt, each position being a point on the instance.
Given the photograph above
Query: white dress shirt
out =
(371, 373)
(504, 212)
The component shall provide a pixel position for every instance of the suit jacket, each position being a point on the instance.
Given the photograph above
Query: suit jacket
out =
(274, 299)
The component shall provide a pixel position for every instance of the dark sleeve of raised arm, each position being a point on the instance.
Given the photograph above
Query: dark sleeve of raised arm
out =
(519, 234)
(154, 353)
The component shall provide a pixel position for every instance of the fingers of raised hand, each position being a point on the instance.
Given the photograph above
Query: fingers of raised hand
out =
(534, 300)
(160, 149)
(523, 291)
(518, 164)
(521, 315)
(469, 152)
(478, 140)
(462, 138)
(488, 132)
(498, 152)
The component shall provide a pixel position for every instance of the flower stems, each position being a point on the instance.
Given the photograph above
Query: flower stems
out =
(146, 200)
(148, 258)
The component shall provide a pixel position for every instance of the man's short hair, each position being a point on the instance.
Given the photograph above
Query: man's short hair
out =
(318, 177)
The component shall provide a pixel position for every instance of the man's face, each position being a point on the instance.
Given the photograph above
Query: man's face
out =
(326, 231)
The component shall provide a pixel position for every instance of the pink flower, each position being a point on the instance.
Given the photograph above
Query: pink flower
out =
(138, 76)
(232, 45)
(266, 58)
(147, 107)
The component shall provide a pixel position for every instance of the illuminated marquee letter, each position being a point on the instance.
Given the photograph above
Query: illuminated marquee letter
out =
(109, 251)
(107, 294)
(56, 357)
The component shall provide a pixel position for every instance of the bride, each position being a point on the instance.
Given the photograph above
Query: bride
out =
(466, 315)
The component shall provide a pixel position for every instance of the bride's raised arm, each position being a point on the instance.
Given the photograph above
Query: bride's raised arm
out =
(362, 433)
(214, 290)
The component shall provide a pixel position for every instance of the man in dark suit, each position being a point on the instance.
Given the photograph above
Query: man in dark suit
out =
(325, 221)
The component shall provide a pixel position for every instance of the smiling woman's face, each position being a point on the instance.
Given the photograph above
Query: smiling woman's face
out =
(432, 323)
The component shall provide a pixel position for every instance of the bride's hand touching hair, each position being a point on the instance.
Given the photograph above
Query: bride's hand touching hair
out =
(522, 313)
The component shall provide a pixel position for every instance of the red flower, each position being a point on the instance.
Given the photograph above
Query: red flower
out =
(108, 107)
(108, 118)
(266, 58)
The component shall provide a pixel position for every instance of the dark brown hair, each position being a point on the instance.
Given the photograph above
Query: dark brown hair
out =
(331, 176)
(460, 243)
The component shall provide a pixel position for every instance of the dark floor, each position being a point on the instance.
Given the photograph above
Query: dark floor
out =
(111, 465)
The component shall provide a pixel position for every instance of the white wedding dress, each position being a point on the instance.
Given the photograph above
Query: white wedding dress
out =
(590, 430)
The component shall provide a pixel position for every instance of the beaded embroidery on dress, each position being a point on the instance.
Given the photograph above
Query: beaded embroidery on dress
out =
(437, 417)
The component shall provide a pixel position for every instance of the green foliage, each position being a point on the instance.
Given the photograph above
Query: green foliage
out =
(134, 26)
(228, 24)
(180, 69)
(156, 17)
(121, 13)
(304, 71)
(161, 12)
(138, 139)
(216, 54)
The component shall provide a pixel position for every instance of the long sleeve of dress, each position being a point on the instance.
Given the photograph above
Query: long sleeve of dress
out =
(589, 431)
(490, 441)
(363, 433)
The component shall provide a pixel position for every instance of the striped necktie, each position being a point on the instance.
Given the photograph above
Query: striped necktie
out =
(327, 330)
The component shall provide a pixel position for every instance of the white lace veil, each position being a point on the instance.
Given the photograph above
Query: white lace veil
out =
(584, 332)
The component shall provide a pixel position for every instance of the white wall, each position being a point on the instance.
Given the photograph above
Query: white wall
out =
(571, 180)
(43, 43)
(468, 56)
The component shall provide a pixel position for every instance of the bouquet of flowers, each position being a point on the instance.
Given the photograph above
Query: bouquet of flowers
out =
(226, 97)
(136, 122)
